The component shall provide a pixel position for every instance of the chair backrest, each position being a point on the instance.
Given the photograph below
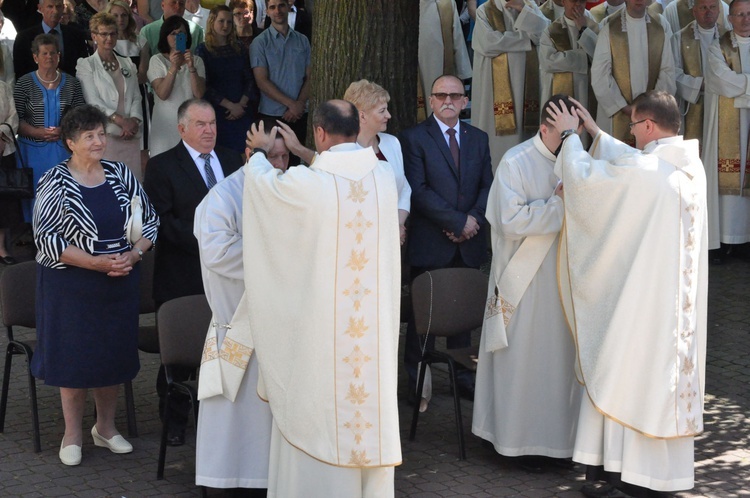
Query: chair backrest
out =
(183, 323)
(449, 301)
(146, 285)
(18, 295)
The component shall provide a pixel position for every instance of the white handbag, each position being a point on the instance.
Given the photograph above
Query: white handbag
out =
(134, 231)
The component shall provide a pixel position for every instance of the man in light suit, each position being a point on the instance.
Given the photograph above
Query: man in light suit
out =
(71, 40)
(447, 164)
(176, 181)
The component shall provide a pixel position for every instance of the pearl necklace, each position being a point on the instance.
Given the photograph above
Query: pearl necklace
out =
(49, 83)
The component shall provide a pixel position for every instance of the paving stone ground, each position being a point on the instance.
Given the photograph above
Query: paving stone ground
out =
(431, 467)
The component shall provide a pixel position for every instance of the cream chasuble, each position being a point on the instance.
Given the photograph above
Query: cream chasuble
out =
(691, 46)
(723, 81)
(609, 95)
(527, 397)
(604, 10)
(322, 273)
(641, 340)
(244, 433)
(522, 33)
(441, 47)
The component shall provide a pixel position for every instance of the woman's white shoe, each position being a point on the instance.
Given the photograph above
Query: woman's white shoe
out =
(116, 444)
(71, 454)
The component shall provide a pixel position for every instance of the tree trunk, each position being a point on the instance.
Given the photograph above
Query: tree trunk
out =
(372, 39)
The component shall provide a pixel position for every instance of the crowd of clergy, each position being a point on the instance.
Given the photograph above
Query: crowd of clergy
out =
(501, 169)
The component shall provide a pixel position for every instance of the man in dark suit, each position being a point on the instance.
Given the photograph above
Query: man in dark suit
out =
(176, 182)
(447, 164)
(72, 41)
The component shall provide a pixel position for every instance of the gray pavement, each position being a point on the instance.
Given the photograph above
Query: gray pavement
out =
(431, 467)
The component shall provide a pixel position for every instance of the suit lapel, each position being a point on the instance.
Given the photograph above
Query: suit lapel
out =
(433, 129)
(190, 169)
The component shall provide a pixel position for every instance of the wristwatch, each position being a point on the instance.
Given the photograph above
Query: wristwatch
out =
(140, 253)
(566, 133)
(259, 150)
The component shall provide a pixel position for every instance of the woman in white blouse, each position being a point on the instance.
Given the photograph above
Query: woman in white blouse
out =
(110, 83)
(175, 77)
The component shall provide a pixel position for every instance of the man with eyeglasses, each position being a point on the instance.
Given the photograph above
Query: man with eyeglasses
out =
(641, 43)
(441, 48)
(527, 395)
(72, 42)
(505, 85)
(633, 282)
(726, 134)
(447, 164)
(691, 46)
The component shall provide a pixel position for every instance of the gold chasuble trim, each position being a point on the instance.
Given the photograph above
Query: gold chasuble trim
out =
(685, 13)
(562, 83)
(618, 44)
(690, 49)
(357, 338)
(730, 175)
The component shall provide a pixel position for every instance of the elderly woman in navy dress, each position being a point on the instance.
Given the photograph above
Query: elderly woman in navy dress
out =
(87, 283)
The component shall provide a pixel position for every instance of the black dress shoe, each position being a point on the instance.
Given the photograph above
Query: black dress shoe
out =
(176, 438)
(592, 490)
(563, 463)
(530, 464)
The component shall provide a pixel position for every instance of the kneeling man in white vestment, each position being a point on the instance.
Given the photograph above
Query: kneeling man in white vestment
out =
(527, 397)
(322, 277)
(633, 280)
(234, 427)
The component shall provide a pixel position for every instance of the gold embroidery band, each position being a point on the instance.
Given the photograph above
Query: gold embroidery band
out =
(562, 83)
(502, 94)
(730, 174)
(684, 13)
(690, 48)
(618, 44)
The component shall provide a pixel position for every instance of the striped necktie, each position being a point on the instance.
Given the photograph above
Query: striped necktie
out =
(210, 177)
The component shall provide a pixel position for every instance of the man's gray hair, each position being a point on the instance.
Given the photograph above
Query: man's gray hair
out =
(185, 107)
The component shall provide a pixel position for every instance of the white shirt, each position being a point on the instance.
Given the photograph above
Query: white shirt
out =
(444, 129)
(200, 163)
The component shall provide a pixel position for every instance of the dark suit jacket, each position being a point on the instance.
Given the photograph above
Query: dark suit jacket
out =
(176, 187)
(442, 195)
(74, 47)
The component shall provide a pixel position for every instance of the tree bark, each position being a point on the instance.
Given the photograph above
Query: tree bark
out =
(372, 39)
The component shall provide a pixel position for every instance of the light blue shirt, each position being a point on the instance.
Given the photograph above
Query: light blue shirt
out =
(56, 29)
(286, 60)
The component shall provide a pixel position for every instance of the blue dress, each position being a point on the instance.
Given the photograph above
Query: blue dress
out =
(228, 75)
(87, 322)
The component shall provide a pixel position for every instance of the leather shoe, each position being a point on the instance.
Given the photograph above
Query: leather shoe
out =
(71, 454)
(530, 464)
(176, 438)
(116, 444)
(604, 491)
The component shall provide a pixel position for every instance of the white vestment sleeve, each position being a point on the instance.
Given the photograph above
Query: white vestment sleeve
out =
(219, 237)
(531, 21)
(490, 43)
(553, 61)
(517, 217)
(722, 80)
(666, 80)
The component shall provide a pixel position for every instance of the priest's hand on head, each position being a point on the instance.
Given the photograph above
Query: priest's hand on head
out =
(258, 139)
(589, 124)
(561, 117)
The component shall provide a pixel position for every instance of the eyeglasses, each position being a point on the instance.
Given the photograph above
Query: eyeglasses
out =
(110, 34)
(741, 15)
(631, 125)
(443, 96)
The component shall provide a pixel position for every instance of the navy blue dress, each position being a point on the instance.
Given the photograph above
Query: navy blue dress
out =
(87, 322)
(228, 75)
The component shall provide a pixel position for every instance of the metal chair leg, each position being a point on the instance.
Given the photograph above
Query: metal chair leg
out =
(164, 429)
(130, 409)
(418, 400)
(457, 406)
(6, 385)
(34, 409)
